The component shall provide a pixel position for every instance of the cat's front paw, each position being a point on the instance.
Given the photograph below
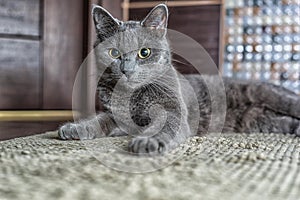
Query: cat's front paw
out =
(76, 131)
(297, 131)
(147, 145)
(68, 132)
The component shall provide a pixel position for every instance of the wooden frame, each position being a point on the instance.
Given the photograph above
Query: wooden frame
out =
(62, 51)
(36, 116)
(51, 66)
(221, 36)
(126, 5)
(63, 43)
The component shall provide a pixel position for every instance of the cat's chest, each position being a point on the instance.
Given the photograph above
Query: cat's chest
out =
(134, 106)
(129, 106)
(137, 106)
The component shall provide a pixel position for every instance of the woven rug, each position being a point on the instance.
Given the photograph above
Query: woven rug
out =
(227, 166)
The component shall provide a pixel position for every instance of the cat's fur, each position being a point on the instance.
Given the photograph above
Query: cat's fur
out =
(152, 92)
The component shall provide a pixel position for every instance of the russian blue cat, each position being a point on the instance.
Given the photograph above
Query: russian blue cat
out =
(143, 95)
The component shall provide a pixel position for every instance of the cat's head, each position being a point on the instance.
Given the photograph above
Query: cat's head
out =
(136, 50)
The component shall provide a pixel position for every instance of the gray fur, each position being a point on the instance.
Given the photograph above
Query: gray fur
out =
(251, 106)
(146, 97)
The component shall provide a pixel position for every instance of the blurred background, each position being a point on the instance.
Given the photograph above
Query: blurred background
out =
(43, 43)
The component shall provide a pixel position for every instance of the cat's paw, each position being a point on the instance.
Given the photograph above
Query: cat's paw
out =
(68, 132)
(76, 131)
(147, 145)
(297, 131)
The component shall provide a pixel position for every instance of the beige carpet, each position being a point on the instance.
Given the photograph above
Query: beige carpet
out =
(232, 166)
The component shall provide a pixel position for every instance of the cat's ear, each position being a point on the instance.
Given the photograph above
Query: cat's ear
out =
(157, 18)
(106, 25)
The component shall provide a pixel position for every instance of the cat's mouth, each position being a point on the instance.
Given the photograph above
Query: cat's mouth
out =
(130, 82)
(133, 84)
(135, 81)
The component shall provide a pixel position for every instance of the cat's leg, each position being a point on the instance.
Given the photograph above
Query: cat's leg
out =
(258, 119)
(286, 124)
(275, 98)
(169, 137)
(99, 126)
(117, 132)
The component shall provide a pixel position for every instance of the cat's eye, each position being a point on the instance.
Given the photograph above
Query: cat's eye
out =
(144, 53)
(114, 53)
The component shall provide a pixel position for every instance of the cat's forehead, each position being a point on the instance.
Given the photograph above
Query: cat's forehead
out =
(132, 36)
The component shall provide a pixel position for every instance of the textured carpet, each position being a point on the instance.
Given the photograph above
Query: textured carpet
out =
(231, 166)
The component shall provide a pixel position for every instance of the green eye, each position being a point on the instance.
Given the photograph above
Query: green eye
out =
(114, 53)
(144, 53)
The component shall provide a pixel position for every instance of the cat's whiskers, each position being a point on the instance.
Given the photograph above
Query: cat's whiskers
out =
(180, 78)
(178, 61)
(152, 89)
(162, 89)
(168, 83)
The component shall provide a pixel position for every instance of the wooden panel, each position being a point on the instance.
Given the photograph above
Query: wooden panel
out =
(170, 1)
(174, 3)
(20, 17)
(19, 74)
(199, 22)
(63, 43)
(114, 7)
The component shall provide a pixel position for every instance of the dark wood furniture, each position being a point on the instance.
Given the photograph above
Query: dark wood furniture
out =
(41, 49)
(43, 43)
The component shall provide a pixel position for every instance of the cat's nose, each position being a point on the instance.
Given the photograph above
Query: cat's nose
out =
(128, 74)
(128, 68)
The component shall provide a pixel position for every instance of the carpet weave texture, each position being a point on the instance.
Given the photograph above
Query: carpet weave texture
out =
(211, 167)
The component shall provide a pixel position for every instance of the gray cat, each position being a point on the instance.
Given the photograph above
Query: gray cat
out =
(144, 96)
